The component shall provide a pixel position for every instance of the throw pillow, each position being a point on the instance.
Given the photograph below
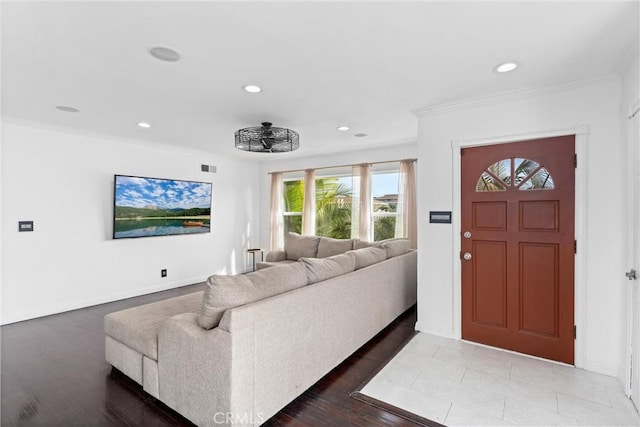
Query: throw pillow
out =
(297, 246)
(224, 292)
(367, 256)
(319, 269)
(396, 247)
(329, 247)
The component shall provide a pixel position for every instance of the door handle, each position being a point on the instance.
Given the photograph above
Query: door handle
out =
(631, 274)
(466, 256)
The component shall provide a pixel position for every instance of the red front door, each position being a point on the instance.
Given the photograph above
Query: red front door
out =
(518, 246)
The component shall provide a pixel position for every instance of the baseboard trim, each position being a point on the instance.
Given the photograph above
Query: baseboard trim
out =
(75, 305)
(421, 327)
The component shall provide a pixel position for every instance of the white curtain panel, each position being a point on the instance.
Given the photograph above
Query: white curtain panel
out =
(406, 221)
(309, 208)
(365, 226)
(355, 202)
(277, 224)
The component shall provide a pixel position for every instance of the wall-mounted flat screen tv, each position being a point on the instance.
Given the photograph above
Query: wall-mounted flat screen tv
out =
(145, 207)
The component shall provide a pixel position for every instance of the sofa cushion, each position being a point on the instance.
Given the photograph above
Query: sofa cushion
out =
(359, 244)
(224, 292)
(367, 256)
(319, 269)
(297, 246)
(260, 265)
(138, 327)
(395, 247)
(275, 256)
(328, 246)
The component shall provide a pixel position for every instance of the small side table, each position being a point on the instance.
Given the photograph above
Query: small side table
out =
(253, 255)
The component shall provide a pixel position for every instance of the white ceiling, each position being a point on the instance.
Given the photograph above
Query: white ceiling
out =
(320, 64)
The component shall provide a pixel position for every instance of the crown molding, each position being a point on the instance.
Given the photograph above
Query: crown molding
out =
(511, 96)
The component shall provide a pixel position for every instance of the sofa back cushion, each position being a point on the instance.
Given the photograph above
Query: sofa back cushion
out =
(297, 246)
(328, 246)
(319, 269)
(395, 247)
(359, 244)
(224, 292)
(368, 256)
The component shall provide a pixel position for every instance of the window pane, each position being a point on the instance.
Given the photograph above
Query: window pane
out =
(489, 183)
(333, 207)
(523, 168)
(293, 223)
(293, 195)
(384, 227)
(541, 180)
(384, 189)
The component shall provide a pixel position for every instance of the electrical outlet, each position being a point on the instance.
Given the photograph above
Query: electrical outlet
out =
(163, 272)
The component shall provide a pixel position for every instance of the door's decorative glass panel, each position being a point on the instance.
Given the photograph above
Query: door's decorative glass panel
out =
(489, 183)
(524, 174)
(541, 180)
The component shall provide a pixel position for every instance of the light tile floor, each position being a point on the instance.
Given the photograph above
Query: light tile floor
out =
(461, 384)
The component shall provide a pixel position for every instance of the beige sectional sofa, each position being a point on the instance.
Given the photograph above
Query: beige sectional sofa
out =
(297, 246)
(248, 345)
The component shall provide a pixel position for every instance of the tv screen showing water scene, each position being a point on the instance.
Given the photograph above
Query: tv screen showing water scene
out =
(146, 207)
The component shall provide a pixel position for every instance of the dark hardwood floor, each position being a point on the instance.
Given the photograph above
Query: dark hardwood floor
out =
(53, 373)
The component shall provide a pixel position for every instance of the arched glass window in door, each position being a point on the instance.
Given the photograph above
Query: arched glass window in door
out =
(515, 173)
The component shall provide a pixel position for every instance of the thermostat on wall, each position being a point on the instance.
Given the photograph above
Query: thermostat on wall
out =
(25, 225)
(440, 217)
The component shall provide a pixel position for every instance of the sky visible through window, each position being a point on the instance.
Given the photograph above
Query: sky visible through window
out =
(381, 183)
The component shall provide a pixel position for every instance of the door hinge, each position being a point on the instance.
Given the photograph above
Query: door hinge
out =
(575, 246)
(575, 160)
(575, 334)
(462, 151)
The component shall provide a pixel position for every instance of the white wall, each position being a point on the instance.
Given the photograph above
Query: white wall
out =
(64, 182)
(595, 104)
(379, 154)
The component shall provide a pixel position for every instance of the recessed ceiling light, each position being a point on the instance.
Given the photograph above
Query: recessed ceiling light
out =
(360, 135)
(342, 128)
(252, 88)
(144, 125)
(67, 109)
(164, 54)
(505, 67)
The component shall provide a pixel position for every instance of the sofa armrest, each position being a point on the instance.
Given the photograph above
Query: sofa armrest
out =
(277, 255)
(204, 372)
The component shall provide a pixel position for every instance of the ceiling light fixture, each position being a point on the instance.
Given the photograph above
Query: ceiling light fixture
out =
(67, 109)
(505, 67)
(164, 54)
(252, 88)
(342, 128)
(267, 139)
(144, 125)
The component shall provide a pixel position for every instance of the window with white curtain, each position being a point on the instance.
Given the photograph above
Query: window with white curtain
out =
(337, 201)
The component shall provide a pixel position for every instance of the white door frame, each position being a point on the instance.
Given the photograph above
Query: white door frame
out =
(580, 297)
(633, 165)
